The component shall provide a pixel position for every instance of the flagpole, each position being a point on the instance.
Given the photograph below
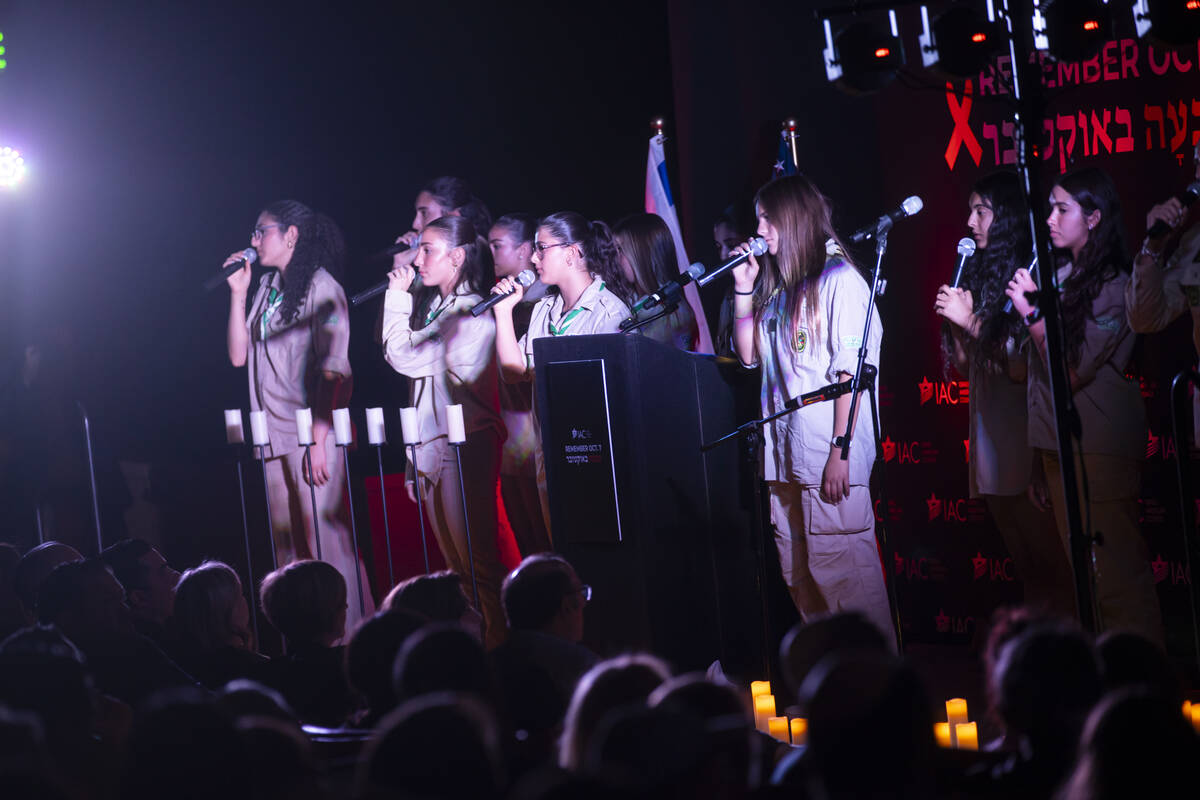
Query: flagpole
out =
(790, 127)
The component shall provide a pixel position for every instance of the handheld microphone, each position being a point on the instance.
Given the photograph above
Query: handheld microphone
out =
(1033, 270)
(398, 247)
(249, 256)
(668, 289)
(1186, 197)
(966, 249)
(758, 246)
(884, 224)
(525, 277)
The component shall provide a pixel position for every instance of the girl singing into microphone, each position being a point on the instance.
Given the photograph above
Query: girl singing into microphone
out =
(296, 341)
(1092, 271)
(577, 260)
(980, 340)
(800, 312)
(446, 353)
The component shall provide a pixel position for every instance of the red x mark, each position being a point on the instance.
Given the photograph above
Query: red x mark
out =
(963, 134)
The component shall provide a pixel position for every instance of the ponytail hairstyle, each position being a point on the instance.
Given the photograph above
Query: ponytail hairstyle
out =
(521, 228)
(454, 194)
(476, 273)
(595, 241)
(646, 242)
(1102, 257)
(987, 273)
(318, 245)
(804, 221)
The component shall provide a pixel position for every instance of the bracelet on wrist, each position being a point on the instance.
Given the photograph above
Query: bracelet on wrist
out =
(1146, 250)
(1033, 316)
(743, 294)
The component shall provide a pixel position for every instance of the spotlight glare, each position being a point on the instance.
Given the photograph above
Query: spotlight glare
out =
(12, 168)
(1193, 5)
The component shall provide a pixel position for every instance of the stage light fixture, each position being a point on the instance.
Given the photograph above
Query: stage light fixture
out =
(12, 168)
(863, 56)
(962, 40)
(1170, 23)
(1073, 30)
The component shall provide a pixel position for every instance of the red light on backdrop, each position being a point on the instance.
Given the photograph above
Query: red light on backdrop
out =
(1193, 5)
(1091, 25)
(982, 37)
(882, 52)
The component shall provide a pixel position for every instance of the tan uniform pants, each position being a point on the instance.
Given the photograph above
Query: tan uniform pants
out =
(1031, 537)
(444, 510)
(828, 553)
(292, 522)
(1124, 582)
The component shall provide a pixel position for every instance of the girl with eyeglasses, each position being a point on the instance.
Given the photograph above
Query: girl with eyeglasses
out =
(646, 253)
(577, 260)
(1091, 275)
(980, 340)
(295, 342)
(430, 336)
(800, 312)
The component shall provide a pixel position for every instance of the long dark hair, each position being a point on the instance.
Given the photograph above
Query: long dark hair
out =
(595, 240)
(646, 241)
(804, 220)
(1102, 257)
(987, 273)
(454, 194)
(318, 245)
(477, 271)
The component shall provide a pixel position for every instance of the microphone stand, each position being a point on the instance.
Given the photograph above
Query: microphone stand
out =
(87, 437)
(466, 520)
(262, 459)
(312, 493)
(362, 606)
(237, 460)
(633, 323)
(387, 534)
(412, 459)
(1191, 548)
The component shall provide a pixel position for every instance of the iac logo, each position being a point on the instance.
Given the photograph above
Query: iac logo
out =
(580, 433)
(953, 625)
(958, 510)
(918, 569)
(950, 393)
(909, 452)
(895, 511)
(994, 569)
(1163, 446)
(1152, 511)
(1174, 571)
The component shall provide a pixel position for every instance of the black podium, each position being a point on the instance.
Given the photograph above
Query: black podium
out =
(660, 530)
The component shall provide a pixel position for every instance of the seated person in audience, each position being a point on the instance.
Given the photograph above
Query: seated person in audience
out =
(246, 698)
(149, 583)
(1136, 744)
(1131, 661)
(441, 657)
(1047, 682)
(370, 656)
(870, 729)
(285, 767)
(543, 601)
(34, 567)
(624, 680)
(87, 603)
(439, 597)
(306, 602)
(212, 626)
(436, 746)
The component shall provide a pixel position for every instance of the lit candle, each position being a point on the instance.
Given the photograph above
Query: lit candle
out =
(408, 426)
(1196, 716)
(759, 687)
(258, 428)
(233, 426)
(799, 727)
(764, 708)
(941, 732)
(956, 712)
(304, 426)
(966, 735)
(341, 426)
(454, 424)
(778, 728)
(1187, 709)
(376, 433)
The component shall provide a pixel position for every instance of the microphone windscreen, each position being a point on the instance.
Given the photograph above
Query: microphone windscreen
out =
(758, 245)
(250, 254)
(695, 270)
(912, 205)
(526, 277)
(966, 246)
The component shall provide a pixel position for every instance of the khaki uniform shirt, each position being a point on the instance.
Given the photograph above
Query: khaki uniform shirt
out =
(286, 360)
(597, 311)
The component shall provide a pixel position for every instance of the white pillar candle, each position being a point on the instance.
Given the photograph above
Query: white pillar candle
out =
(233, 426)
(258, 428)
(454, 424)
(376, 433)
(304, 426)
(341, 426)
(408, 426)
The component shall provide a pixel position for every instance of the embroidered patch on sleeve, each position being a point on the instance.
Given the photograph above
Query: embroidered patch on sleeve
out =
(1110, 324)
(801, 339)
(851, 342)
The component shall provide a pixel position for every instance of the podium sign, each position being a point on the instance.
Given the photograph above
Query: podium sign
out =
(582, 463)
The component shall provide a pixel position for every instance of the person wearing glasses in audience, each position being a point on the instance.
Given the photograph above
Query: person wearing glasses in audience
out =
(646, 253)
(511, 240)
(295, 342)
(577, 260)
(430, 336)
